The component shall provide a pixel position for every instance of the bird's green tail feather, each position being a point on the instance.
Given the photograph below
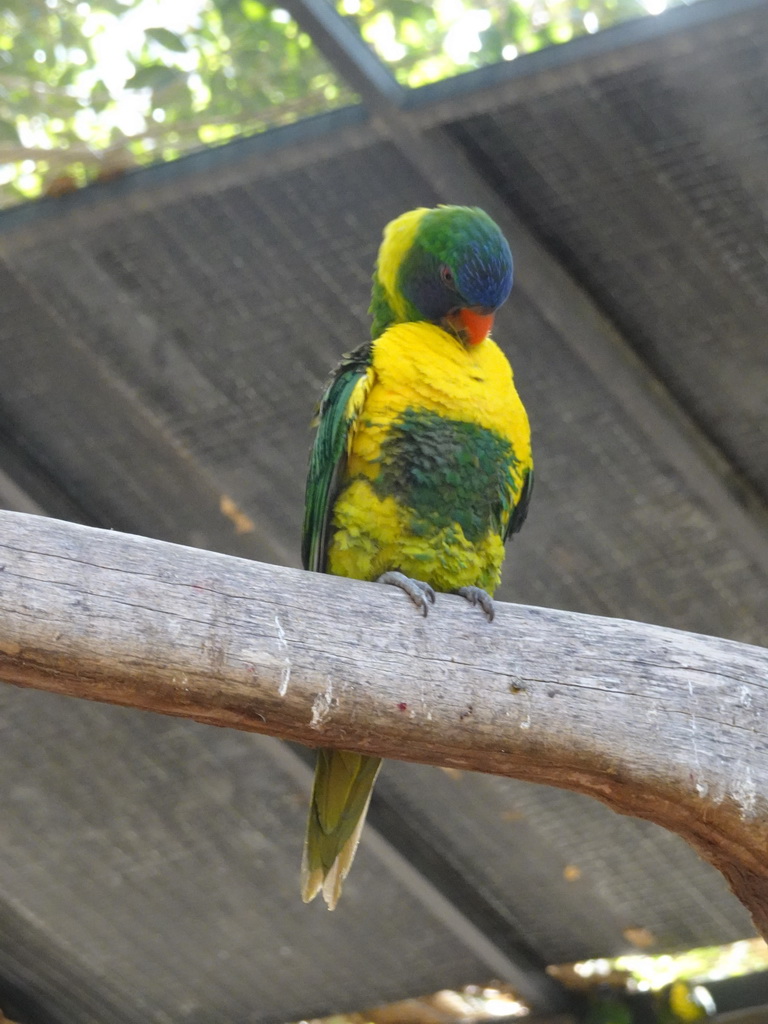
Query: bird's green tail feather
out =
(340, 797)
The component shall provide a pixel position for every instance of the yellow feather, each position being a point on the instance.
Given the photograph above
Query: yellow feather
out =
(355, 403)
(398, 238)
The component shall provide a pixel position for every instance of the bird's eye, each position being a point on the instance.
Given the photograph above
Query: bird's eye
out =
(447, 275)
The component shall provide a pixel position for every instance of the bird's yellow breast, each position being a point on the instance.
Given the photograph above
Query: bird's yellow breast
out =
(420, 366)
(436, 459)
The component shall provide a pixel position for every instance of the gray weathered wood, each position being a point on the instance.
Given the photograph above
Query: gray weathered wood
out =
(654, 722)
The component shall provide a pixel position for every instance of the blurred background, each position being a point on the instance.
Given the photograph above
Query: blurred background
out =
(193, 195)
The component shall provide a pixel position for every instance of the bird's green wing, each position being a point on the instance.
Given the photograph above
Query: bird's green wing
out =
(337, 414)
(520, 511)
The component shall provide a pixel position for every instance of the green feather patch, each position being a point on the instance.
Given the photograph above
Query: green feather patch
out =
(448, 471)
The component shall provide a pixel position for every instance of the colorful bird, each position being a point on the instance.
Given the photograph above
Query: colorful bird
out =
(683, 1002)
(421, 467)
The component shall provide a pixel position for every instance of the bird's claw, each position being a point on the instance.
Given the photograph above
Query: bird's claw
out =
(476, 595)
(419, 592)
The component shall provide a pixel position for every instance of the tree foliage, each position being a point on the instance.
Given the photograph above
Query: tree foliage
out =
(89, 87)
(427, 42)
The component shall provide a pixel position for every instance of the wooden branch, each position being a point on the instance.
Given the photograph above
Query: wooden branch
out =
(665, 725)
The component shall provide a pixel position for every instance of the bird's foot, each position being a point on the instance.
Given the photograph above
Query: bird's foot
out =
(476, 595)
(419, 592)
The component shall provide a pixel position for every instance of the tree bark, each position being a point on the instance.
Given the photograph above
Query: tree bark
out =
(654, 722)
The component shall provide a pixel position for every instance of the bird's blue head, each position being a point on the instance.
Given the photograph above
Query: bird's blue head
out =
(450, 265)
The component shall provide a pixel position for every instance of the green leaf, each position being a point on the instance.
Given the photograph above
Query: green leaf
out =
(166, 38)
(154, 76)
(8, 132)
(493, 41)
(100, 96)
(253, 10)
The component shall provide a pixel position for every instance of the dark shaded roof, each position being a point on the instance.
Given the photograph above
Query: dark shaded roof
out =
(163, 340)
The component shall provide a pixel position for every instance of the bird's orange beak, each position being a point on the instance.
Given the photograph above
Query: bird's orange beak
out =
(475, 326)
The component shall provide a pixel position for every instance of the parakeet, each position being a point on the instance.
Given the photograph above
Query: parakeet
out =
(683, 1002)
(421, 467)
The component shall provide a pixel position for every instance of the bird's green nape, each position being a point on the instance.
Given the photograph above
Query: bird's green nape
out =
(382, 313)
